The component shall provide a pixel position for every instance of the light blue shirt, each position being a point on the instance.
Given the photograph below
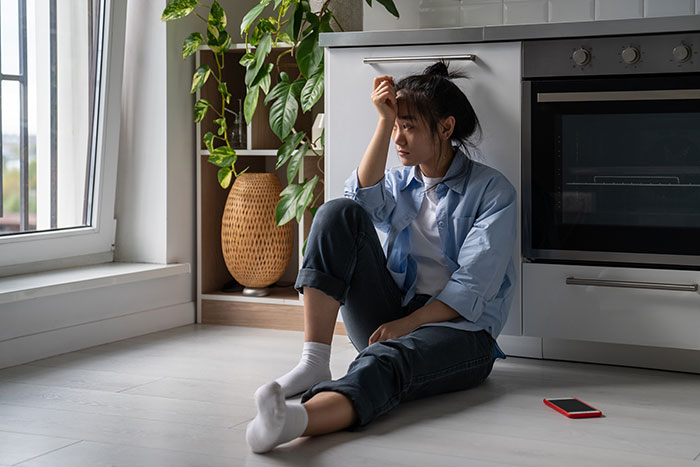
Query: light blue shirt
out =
(476, 219)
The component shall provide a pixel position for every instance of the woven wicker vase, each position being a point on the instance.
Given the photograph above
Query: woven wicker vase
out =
(255, 249)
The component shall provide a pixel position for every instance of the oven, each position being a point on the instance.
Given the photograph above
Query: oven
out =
(611, 150)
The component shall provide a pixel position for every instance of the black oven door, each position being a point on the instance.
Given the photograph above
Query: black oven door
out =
(612, 170)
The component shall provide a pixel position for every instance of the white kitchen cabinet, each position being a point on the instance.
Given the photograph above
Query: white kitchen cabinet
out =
(598, 304)
(493, 88)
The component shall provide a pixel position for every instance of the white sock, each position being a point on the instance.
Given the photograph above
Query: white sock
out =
(313, 368)
(277, 422)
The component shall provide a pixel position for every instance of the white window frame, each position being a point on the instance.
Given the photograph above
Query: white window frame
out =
(94, 244)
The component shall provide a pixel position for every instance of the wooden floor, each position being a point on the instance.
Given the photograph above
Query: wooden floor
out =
(183, 397)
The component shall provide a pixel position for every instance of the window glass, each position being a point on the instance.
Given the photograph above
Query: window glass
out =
(9, 35)
(47, 92)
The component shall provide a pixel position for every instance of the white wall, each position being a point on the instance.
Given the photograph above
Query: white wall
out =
(416, 13)
(144, 146)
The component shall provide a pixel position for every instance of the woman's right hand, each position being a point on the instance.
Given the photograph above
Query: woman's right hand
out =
(384, 97)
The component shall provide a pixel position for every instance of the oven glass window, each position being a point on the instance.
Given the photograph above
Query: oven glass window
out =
(614, 175)
(631, 169)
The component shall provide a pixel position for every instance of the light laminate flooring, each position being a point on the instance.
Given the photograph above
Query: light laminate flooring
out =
(183, 397)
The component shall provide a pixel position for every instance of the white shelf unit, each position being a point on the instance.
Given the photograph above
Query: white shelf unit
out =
(260, 154)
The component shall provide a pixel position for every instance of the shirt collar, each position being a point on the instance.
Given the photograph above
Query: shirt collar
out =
(455, 177)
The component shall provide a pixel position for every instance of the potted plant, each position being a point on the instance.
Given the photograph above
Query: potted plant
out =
(294, 24)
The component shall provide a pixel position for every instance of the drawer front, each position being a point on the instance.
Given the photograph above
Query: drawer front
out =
(596, 306)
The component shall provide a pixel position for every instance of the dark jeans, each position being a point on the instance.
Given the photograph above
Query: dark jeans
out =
(345, 260)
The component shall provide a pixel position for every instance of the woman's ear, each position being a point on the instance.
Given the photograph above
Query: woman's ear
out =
(447, 126)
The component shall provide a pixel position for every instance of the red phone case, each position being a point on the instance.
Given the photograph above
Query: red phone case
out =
(596, 413)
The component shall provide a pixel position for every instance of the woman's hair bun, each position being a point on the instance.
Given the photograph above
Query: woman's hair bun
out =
(437, 68)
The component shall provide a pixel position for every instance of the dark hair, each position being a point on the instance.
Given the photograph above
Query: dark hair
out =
(432, 96)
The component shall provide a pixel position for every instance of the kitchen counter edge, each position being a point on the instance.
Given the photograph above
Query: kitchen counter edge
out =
(514, 32)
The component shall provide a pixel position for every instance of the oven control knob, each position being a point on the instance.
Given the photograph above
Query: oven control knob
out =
(630, 55)
(581, 56)
(681, 53)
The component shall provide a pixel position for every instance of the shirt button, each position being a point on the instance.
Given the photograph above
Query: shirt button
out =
(441, 224)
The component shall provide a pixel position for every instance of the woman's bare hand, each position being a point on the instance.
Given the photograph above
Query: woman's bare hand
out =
(384, 97)
(393, 329)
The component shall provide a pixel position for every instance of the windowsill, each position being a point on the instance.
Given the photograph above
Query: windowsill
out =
(44, 284)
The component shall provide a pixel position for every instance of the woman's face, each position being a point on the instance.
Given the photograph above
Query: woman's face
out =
(414, 142)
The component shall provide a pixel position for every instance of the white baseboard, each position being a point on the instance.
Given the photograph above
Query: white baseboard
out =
(47, 344)
(521, 346)
(658, 358)
(46, 314)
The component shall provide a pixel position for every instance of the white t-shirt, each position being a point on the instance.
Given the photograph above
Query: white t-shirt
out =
(433, 272)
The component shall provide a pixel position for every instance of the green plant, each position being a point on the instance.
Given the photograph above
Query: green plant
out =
(295, 25)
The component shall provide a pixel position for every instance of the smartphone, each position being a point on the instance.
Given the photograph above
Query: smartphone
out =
(572, 407)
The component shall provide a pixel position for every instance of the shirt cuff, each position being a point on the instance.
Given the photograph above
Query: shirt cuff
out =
(468, 304)
(369, 197)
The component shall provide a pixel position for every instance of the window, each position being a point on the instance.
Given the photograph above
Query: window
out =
(60, 92)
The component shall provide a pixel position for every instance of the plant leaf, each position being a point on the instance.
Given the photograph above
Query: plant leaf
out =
(218, 40)
(200, 77)
(222, 126)
(224, 176)
(264, 72)
(224, 151)
(292, 189)
(217, 16)
(261, 52)
(284, 37)
(390, 7)
(303, 248)
(178, 9)
(284, 111)
(309, 54)
(313, 89)
(223, 156)
(325, 24)
(208, 139)
(285, 210)
(252, 15)
(297, 86)
(306, 197)
(191, 44)
(298, 17)
(212, 34)
(200, 109)
(250, 103)
(265, 83)
(290, 144)
(223, 90)
(247, 59)
(296, 160)
(279, 89)
(221, 161)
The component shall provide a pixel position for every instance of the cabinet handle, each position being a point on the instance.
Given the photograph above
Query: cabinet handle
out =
(422, 58)
(632, 284)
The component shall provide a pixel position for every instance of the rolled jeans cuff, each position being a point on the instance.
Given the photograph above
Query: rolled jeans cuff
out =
(319, 280)
(363, 407)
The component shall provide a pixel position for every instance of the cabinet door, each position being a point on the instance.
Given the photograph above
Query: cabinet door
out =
(493, 88)
(612, 304)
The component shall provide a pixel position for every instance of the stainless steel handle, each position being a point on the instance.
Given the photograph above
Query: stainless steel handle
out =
(422, 58)
(652, 95)
(632, 284)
